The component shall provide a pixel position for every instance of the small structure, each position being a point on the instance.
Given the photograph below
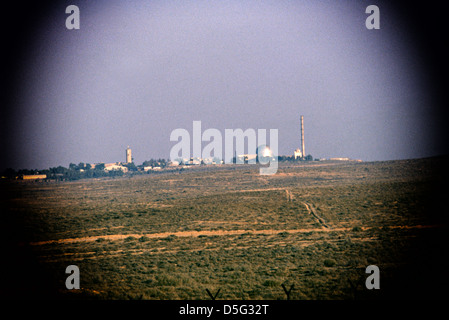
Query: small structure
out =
(115, 166)
(193, 162)
(150, 168)
(33, 176)
(246, 158)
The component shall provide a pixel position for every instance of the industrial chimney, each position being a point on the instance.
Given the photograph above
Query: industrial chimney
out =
(303, 151)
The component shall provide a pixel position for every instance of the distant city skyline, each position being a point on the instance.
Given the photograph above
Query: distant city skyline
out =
(136, 71)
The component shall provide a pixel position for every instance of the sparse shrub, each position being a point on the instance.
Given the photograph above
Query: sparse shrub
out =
(270, 283)
(144, 239)
(166, 280)
(329, 262)
(170, 238)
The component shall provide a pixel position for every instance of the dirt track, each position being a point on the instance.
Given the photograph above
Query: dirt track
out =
(312, 211)
(211, 233)
(184, 234)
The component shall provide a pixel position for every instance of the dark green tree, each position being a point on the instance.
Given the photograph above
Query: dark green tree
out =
(99, 167)
(131, 166)
(9, 173)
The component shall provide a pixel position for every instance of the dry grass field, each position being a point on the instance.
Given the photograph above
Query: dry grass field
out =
(314, 225)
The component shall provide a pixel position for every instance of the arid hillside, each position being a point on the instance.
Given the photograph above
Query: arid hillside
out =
(314, 225)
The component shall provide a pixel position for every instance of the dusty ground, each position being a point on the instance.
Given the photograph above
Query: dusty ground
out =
(174, 235)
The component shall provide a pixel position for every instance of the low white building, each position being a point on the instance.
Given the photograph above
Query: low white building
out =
(114, 166)
(250, 158)
(150, 168)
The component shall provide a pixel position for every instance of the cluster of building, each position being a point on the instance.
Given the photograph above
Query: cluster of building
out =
(194, 161)
(117, 165)
(185, 163)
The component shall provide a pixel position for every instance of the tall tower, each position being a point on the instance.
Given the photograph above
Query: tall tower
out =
(129, 158)
(303, 151)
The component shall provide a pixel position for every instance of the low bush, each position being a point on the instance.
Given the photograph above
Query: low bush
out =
(329, 263)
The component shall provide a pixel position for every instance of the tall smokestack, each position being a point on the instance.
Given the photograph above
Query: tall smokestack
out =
(303, 151)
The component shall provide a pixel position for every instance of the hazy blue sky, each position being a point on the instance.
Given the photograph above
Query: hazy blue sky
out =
(136, 70)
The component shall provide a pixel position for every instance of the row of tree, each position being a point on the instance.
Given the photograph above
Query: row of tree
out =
(280, 158)
(292, 158)
(82, 170)
(86, 170)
